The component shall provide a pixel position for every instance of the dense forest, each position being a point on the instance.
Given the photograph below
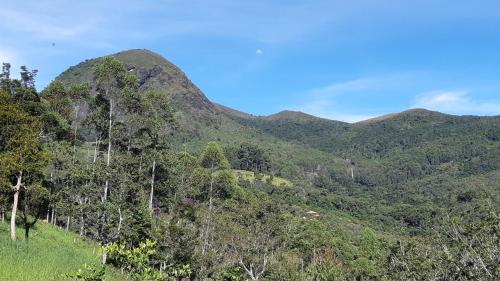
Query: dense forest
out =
(126, 151)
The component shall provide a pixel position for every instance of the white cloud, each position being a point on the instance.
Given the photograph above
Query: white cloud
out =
(342, 87)
(259, 52)
(456, 102)
(326, 107)
(326, 101)
(349, 118)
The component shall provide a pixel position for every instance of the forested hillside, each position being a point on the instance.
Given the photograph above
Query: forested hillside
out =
(125, 150)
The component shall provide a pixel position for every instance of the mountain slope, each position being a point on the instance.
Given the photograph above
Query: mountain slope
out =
(201, 120)
(154, 73)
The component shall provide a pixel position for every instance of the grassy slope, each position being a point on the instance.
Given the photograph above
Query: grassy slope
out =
(250, 176)
(49, 255)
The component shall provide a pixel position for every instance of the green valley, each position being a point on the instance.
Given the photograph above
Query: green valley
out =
(129, 160)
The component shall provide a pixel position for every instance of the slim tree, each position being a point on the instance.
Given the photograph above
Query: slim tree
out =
(113, 81)
(157, 120)
(212, 159)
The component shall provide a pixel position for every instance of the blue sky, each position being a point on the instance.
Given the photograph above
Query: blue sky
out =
(343, 60)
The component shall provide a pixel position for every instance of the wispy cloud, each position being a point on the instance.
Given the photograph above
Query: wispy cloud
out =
(331, 101)
(260, 20)
(322, 101)
(342, 87)
(218, 32)
(456, 102)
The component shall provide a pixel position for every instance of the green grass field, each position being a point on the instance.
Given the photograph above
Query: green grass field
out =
(49, 255)
(250, 176)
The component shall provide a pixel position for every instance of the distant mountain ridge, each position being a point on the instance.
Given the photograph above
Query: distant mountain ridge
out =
(410, 112)
(307, 141)
(157, 73)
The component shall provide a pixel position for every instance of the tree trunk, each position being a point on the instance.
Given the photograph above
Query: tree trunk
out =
(211, 192)
(27, 233)
(104, 256)
(152, 186)
(76, 130)
(108, 160)
(95, 149)
(27, 224)
(67, 223)
(119, 221)
(140, 164)
(48, 207)
(82, 225)
(207, 229)
(94, 160)
(250, 269)
(53, 216)
(17, 188)
(82, 220)
(88, 158)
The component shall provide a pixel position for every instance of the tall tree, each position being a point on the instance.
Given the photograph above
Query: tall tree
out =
(212, 159)
(157, 119)
(66, 102)
(113, 81)
(21, 152)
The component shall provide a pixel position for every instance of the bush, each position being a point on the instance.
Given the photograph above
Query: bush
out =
(88, 273)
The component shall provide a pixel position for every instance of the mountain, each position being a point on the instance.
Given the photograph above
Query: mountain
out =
(306, 141)
(416, 112)
(154, 73)
(200, 119)
(228, 194)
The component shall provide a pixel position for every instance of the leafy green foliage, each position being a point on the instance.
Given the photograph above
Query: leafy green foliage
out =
(89, 273)
(213, 157)
(364, 201)
(136, 261)
(462, 248)
(250, 157)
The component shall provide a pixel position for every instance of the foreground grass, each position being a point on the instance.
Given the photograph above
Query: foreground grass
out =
(49, 255)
